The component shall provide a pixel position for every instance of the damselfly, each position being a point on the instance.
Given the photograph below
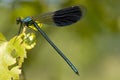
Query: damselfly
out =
(60, 18)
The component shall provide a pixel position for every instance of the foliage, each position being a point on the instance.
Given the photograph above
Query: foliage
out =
(12, 54)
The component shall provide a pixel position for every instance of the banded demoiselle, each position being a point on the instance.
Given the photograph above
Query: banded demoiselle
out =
(60, 18)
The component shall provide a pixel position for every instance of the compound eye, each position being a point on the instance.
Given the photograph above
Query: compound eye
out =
(18, 20)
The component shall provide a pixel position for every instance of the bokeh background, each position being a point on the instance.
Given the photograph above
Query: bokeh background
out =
(93, 44)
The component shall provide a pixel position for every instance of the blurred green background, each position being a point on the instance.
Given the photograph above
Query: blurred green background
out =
(93, 44)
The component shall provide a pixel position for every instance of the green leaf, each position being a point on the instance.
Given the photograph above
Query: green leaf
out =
(12, 54)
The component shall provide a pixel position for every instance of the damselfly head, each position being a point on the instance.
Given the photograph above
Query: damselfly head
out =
(18, 20)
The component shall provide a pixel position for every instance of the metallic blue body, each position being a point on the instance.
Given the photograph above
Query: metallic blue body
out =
(26, 20)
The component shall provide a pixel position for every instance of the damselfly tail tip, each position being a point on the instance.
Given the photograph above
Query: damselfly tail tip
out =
(77, 73)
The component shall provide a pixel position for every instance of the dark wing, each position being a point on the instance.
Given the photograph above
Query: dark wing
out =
(63, 17)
